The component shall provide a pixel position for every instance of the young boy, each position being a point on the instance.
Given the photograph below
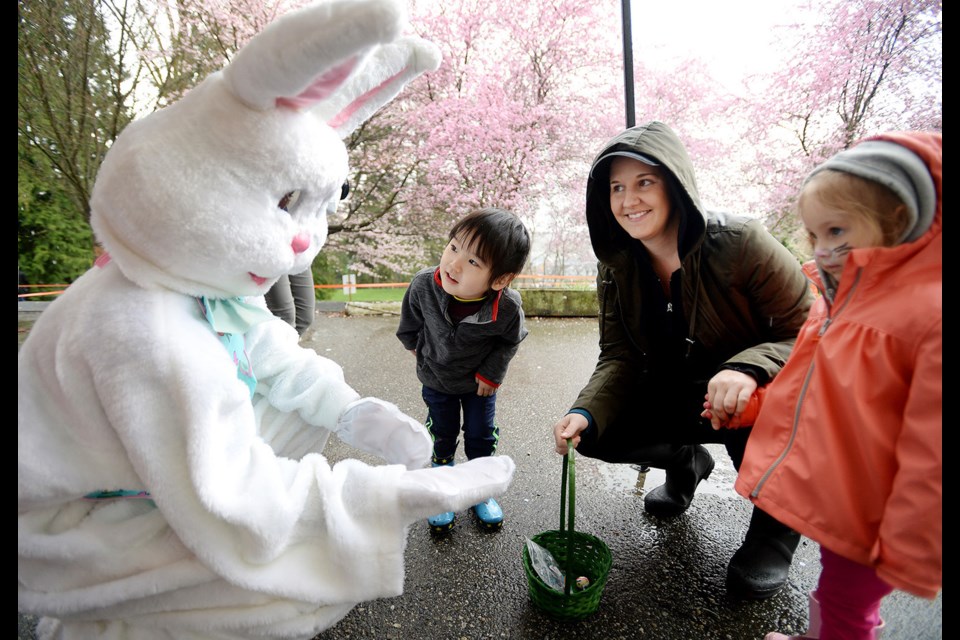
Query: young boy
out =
(464, 325)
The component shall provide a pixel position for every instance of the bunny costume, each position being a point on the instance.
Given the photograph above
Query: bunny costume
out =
(170, 476)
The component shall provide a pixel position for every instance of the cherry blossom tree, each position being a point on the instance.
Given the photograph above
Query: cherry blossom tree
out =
(503, 122)
(858, 67)
(181, 42)
(525, 96)
(527, 93)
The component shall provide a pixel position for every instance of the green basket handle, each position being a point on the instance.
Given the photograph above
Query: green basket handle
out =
(568, 474)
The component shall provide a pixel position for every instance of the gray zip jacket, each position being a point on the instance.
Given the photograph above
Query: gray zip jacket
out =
(449, 356)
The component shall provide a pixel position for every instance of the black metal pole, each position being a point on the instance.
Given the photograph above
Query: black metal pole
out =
(628, 64)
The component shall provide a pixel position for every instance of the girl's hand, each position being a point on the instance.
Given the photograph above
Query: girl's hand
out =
(745, 418)
(718, 419)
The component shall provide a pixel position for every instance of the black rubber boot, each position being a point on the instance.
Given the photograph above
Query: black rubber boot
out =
(759, 568)
(685, 469)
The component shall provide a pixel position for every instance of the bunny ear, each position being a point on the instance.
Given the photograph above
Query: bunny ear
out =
(382, 76)
(306, 55)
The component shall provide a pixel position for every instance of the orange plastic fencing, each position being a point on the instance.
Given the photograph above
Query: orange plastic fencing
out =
(60, 288)
(525, 281)
(370, 285)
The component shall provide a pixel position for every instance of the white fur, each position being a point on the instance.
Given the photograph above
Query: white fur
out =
(123, 384)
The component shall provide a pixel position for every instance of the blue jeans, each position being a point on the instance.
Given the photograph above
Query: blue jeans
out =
(480, 432)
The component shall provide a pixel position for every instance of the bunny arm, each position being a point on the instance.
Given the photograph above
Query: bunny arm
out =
(312, 398)
(112, 399)
(294, 379)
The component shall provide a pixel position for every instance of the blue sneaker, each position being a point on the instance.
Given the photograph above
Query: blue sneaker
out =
(490, 514)
(442, 522)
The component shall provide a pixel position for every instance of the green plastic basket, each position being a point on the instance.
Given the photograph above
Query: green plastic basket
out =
(577, 553)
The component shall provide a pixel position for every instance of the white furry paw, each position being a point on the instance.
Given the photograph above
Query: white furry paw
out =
(426, 492)
(380, 428)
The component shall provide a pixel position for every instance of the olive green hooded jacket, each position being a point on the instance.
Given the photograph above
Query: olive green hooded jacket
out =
(744, 296)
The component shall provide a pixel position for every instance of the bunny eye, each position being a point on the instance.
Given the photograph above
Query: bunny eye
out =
(344, 189)
(289, 200)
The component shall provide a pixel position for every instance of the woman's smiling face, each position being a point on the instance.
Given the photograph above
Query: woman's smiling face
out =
(639, 200)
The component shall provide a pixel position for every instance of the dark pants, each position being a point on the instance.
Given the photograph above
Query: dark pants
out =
(665, 419)
(294, 299)
(659, 435)
(480, 432)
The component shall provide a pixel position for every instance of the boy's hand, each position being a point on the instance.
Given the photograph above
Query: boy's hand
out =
(485, 390)
(569, 426)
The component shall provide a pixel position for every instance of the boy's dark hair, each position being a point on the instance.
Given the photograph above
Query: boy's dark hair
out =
(497, 236)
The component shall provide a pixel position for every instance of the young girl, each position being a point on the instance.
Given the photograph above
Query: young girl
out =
(847, 446)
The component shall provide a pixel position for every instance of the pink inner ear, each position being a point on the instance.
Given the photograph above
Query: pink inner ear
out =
(321, 88)
(352, 108)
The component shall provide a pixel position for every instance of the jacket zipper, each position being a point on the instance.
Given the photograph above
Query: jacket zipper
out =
(803, 389)
(603, 308)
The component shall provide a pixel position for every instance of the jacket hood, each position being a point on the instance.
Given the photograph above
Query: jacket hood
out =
(657, 142)
(926, 154)
(896, 167)
(928, 146)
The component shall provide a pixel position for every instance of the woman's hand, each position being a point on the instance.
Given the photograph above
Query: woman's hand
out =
(728, 394)
(569, 426)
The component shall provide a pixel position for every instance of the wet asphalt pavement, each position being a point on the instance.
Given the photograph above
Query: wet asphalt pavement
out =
(667, 577)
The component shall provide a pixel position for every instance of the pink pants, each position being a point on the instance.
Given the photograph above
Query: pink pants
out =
(849, 595)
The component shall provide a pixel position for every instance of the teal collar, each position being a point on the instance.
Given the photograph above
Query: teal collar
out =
(231, 318)
(233, 315)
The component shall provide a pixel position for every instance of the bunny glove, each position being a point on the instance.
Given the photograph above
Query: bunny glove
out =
(381, 428)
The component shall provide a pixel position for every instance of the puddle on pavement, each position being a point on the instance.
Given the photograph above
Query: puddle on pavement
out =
(629, 479)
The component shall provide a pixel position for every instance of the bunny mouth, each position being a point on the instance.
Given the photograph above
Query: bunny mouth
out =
(258, 279)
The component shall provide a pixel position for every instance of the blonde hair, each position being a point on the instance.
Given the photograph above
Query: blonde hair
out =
(870, 201)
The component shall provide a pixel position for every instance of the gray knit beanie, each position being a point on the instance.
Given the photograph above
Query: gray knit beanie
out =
(897, 168)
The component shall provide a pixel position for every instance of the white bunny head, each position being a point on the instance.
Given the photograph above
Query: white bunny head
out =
(226, 190)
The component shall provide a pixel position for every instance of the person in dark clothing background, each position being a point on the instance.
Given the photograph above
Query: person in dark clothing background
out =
(293, 297)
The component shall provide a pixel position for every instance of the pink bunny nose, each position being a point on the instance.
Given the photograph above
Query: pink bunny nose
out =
(301, 242)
